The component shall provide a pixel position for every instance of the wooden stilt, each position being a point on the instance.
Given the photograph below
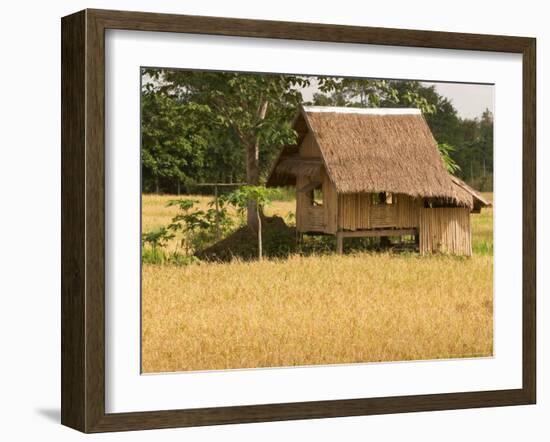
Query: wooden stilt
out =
(339, 243)
(299, 238)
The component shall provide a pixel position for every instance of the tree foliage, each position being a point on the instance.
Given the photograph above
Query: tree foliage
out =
(173, 140)
(228, 127)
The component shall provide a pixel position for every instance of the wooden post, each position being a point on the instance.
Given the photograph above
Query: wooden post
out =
(260, 248)
(217, 211)
(339, 243)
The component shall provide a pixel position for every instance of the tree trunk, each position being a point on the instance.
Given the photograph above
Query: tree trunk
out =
(157, 186)
(253, 170)
(253, 179)
(260, 248)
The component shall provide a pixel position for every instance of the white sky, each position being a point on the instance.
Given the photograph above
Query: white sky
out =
(470, 100)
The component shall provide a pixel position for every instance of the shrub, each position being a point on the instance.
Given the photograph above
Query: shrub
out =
(198, 227)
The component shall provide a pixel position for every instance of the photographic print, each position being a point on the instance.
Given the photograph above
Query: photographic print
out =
(300, 220)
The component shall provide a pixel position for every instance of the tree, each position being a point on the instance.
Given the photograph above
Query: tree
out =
(476, 153)
(172, 139)
(360, 92)
(240, 199)
(256, 110)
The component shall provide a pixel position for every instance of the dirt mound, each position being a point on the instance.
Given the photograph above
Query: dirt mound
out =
(278, 241)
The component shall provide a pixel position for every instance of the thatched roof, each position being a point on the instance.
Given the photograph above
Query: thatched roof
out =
(294, 165)
(478, 200)
(372, 150)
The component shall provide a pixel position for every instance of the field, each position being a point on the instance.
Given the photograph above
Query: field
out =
(361, 307)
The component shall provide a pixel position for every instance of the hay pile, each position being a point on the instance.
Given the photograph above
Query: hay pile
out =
(278, 240)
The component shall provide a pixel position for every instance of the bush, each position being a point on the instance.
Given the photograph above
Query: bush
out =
(199, 228)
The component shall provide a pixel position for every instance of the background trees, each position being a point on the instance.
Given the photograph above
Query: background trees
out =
(173, 142)
(247, 115)
(227, 127)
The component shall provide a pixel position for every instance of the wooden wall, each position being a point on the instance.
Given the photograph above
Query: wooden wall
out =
(309, 147)
(356, 211)
(315, 218)
(445, 230)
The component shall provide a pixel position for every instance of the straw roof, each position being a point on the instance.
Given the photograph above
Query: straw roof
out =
(372, 150)
(478, 200)
(295, 165)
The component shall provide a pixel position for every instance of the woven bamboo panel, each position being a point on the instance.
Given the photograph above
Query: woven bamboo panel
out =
(356, 211)
(383, 215)
(445, 230)
(408, 211)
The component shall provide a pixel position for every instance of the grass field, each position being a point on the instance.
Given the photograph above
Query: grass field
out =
(363, 307)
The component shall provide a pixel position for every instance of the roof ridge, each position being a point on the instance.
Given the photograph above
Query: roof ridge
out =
(364, 110)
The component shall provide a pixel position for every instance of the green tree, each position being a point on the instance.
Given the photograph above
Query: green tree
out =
(476, 153)
(356, 92)
(360, 92)
(172, 139)
(256, 110)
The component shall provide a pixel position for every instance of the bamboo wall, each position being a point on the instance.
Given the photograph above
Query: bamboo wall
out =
(315, 218)
(350, 211)
(301, 204)
(330, 204)
(356, 212)
(445, 230)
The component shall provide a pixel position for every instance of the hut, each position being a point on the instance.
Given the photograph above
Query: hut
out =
(375, 172)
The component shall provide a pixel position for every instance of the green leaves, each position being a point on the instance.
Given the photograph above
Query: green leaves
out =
(353, 92)
(235, 111)
(182, 203)
(240, 197)
(199, 227)
(172, 139)
(203, 126)
(157, 238)
(445, 152)
(187, 221)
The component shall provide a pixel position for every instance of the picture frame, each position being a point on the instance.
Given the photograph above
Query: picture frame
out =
(83, 220)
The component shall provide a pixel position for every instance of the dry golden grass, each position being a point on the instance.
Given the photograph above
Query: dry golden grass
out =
(315, 310)
(156, 214)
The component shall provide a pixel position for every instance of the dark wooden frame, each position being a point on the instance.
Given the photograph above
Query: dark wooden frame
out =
(83, 215)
